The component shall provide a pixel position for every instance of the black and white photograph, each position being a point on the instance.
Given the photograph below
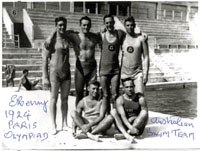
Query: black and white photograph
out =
(99, 75)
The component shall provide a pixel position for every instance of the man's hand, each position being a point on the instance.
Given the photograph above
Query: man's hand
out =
(145, 79)
(46, 84)
(48, 41)
(86, 128)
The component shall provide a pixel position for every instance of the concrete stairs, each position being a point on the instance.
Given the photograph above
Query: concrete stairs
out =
(31, 59)
(7, 41)
(181, 64)
(44, 24)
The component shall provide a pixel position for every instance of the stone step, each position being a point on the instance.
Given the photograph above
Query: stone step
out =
(16, 81)
(46, 22)
(156, 80)
(8, 45)
(31, 67)
(21, 61)
(22, 55)
(18, 74)
(38, 73)
(20, 50)
(6, 36)
(98, 17)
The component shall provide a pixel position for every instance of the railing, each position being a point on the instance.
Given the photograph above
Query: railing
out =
(28, 26)
(8, 23)
(17, 41)
(162, 65)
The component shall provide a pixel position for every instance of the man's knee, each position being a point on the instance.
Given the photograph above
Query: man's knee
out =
(74, 114)
(113, 112)
(114, 96)
(64, 99)
(110, 118)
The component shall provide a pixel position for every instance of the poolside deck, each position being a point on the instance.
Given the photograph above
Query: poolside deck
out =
(170, 132)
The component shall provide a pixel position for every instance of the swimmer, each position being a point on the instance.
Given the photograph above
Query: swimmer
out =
(132, 109)
(28, 84)
(135, 46)
(109, 63)
(56, 49)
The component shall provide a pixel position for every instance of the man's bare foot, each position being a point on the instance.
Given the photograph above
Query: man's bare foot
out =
(80, 136)
(130, 138)
(119, 136)
(66, 128)
(53, 131)
(134, 131)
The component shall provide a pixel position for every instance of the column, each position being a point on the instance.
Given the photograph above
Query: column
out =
(128, 10)
(71, 7)
(84, 8)
(96, 8)
(158, 10)
(108, 8)
(29, 5)
(117, 9)
(60, 6)
(45, 5)
(188, 13)
(173, 14)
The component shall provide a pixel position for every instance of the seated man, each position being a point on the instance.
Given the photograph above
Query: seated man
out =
(95, 120)
(132, 109)
(26, 83)
(10, 74)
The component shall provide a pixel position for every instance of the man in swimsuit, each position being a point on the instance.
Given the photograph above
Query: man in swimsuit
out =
(94, 120)
(26, 83)
(135, 46)
(132, 109)
(57, 51)
(109, 62)
(84, 43)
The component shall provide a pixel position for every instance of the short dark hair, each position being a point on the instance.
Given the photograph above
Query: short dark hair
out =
(94, 82)
(107, 16)
(130, 18)
(127, 79)
(60, 19)
(86, 18)
(25, 71)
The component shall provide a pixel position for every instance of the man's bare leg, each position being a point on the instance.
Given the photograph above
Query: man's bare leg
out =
(139, 124)
(54, 97)
(103, 125)
(65, 88)
(78, 121)
(120, 125)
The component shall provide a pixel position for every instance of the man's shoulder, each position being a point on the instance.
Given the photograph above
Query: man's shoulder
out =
(95, 35)
(120, 32)
(120, 99)
(143, 36)
(71, 33)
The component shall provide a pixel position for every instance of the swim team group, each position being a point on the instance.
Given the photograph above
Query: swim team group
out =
(96, 112)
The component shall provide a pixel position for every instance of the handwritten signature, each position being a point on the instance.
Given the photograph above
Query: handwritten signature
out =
(18, 101)
(171, 120)
(175, 132)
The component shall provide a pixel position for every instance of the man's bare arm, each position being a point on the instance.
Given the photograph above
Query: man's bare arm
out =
(20, 83)
(145, 57)
(143, 115)
(45, 57)
(79, 108)
(120, 110)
